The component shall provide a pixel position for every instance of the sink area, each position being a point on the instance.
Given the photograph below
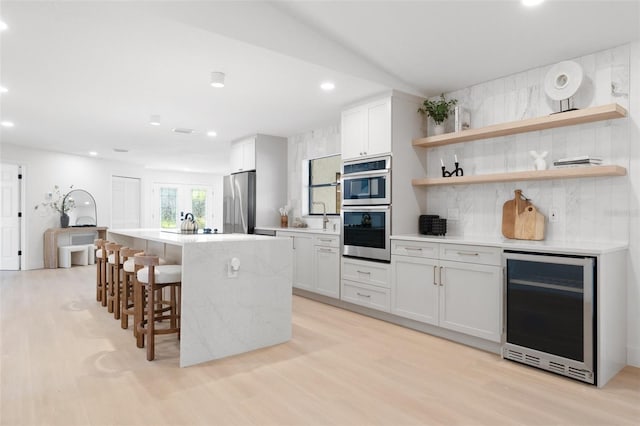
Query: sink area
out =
(329, 231)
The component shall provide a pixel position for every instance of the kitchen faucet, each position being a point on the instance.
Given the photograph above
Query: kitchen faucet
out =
(325, 220)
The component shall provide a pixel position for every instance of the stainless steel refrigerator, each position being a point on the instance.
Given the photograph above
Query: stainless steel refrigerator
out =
(239, 203)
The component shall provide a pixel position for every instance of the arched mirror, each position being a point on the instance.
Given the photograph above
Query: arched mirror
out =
(83, 212)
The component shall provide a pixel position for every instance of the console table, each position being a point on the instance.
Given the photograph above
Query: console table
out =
(56, 237)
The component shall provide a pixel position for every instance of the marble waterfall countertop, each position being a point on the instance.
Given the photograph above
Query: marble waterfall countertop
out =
(572, 247)
(175, 238)
(225, 311)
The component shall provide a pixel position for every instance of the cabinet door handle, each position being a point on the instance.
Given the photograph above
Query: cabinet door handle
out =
(363, 295)
(363, 272)
(434, 275)
(468, 253)
(441, 279)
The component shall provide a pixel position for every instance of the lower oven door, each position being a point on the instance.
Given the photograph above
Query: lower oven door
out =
(550, 313)
(366, 232)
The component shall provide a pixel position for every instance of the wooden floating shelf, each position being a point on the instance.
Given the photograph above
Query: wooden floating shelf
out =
(561, 173)
(569, 118)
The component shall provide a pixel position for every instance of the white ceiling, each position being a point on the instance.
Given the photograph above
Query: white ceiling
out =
(87, 75)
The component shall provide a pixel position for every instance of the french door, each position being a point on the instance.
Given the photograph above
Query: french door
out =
(173, 201)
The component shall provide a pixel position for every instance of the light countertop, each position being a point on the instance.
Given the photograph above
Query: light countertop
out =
(568, 247)
(181, 239)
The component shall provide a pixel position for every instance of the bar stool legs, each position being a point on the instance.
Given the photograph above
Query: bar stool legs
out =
(126, 296)
(114, 263)
(101, 277)
(149, 283)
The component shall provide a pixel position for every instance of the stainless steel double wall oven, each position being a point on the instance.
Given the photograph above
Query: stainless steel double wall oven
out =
(366, 208)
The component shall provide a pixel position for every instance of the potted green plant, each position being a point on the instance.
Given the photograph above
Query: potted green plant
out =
(438, 110)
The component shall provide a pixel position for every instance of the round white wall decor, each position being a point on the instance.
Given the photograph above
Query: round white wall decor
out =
(563, 80)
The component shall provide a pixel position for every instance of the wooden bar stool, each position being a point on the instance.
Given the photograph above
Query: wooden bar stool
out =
(114, 266)
(126, 296)
(101, 271)
(151, 279)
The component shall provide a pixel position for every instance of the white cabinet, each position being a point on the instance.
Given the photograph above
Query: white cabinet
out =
(471, 299)
(316, 260)
(366, 129)
(302, 258)
(327, 271)
(415, 288)
(464, 296)
(366, 283)
(243, 155)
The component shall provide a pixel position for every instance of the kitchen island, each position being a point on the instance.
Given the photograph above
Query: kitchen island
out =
(236, 289)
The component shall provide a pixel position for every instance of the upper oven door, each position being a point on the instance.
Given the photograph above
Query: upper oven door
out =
(367, 182)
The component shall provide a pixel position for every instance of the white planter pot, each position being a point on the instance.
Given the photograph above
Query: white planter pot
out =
(438, 129)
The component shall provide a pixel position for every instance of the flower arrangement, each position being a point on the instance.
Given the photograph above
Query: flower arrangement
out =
(59, 201)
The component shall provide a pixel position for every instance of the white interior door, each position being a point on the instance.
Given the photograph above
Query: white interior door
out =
(10, 222)
(125, 202)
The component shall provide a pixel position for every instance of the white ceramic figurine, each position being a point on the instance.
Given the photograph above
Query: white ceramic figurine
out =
(539, 162)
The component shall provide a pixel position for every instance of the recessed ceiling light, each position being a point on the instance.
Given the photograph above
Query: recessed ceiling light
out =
(93, 153)
(3, 89)
(327, 86)
(6, 123)
(531, 3)
(3, 26)
(217, 79)
(155, 120)
(212, 134)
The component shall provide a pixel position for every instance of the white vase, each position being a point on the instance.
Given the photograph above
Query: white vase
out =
(438, 129)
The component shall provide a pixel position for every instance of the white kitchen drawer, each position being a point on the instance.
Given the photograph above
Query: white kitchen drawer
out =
(327, 240)
(471, 254)
(415, 249)
(366, 295)
(371, 273)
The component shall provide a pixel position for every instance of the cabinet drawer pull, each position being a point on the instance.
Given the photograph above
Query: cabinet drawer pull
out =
(413, 248)
(441, 279)
(363, 295)
(326, 250)
(327, 240)
(434, 275)
(363, 272)
(468, 253)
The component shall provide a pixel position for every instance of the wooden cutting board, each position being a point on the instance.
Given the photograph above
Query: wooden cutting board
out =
(510, 210)
(529, 224)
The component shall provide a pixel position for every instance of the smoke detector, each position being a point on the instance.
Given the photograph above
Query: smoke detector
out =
(182, 130)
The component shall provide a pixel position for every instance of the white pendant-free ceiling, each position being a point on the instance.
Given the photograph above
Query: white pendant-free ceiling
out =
(84, 75)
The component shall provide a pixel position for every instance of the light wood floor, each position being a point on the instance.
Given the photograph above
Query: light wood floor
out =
(65, 361)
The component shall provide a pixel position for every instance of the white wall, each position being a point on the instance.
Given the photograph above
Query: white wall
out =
(44, 169)
(594, 209)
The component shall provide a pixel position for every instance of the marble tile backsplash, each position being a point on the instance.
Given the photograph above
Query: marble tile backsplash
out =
(301, 148)
(594, 209)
